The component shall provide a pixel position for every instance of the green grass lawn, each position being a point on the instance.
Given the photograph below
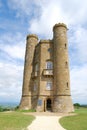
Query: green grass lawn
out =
(77, 122)
(14, 121)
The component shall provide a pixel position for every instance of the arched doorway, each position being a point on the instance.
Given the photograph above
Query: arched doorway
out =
(49, 104)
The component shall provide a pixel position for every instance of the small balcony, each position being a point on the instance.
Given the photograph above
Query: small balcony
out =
(34, 74)
(48, 72)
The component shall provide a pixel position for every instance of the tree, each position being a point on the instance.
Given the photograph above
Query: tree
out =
(77, 105)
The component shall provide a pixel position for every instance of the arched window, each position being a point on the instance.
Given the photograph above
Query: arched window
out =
(36, 67)
(49, 65)
(49, 49)
(35, 86)
(49, 85)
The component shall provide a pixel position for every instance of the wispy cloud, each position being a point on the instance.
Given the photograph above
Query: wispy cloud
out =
(77, 46)
(10, 81)
(12, 49)
(79, 83)
(69, 12)
(25, 7)
(13, 45)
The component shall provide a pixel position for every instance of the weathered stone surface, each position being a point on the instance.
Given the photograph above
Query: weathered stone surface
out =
(43, 90)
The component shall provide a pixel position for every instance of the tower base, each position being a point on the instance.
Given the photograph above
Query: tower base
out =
(25, 103)
(63, 104)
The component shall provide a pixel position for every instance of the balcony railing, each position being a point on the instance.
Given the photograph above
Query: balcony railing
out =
(48, 72)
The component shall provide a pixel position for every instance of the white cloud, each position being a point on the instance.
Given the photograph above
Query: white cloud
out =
(72, 11)
(11, 72)
(10, 81)
(24, 7)
(14, 46)
(21, 5)
(44, 14)
(77, 45)
(69, 12)
(79, 83)
(75, 10)
(81, 43)
(15, 52)
(51, 14)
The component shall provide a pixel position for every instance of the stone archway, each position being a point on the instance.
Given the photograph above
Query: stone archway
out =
(49, 104)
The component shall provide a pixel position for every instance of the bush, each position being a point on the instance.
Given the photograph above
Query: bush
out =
(1, 109)
(17, 107)
(77, 105)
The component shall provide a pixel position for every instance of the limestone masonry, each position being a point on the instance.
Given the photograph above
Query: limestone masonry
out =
(46, 80)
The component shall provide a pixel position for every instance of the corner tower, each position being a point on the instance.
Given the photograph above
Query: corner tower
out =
(32, 41)
(62, 97)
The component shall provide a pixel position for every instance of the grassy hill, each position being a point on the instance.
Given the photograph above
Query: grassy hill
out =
(14, 121)
(77, 122)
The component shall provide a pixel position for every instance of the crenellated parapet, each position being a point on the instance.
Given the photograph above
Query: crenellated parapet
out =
(60, 25)
(45, 41)
(32, 35)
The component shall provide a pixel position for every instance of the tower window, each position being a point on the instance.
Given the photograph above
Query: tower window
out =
(66, 64)
(65, 46)
(35, 86)
(67, 84)
(49, 65)
(49, 49)
(36, 67)
(49, 85)
(39, 102)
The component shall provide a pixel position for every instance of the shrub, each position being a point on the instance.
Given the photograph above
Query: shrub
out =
(17, 107)
(77, 105)
(1, 109)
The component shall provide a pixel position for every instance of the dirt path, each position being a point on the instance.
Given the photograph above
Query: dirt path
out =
(46, 123)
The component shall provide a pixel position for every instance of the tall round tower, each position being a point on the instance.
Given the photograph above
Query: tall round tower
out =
(62, 97)
(32, 41)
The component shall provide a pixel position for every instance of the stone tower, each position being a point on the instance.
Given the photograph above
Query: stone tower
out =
(32, 41)
(62, 97)
(46, 81)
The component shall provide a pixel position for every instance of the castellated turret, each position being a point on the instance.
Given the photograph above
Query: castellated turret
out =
(31, 42)
(46, 81)
(62, 97)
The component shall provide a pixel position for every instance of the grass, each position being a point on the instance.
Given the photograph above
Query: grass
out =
(30, 110)
(14, 121)
(77, 122)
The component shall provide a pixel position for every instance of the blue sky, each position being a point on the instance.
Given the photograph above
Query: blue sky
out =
(19, 18)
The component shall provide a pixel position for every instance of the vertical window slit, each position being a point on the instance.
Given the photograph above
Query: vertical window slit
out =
(65, 46)
(66, 64)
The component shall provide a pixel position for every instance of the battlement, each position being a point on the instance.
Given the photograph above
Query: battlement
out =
(45, 41)
(32, 35)
(60, 25)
